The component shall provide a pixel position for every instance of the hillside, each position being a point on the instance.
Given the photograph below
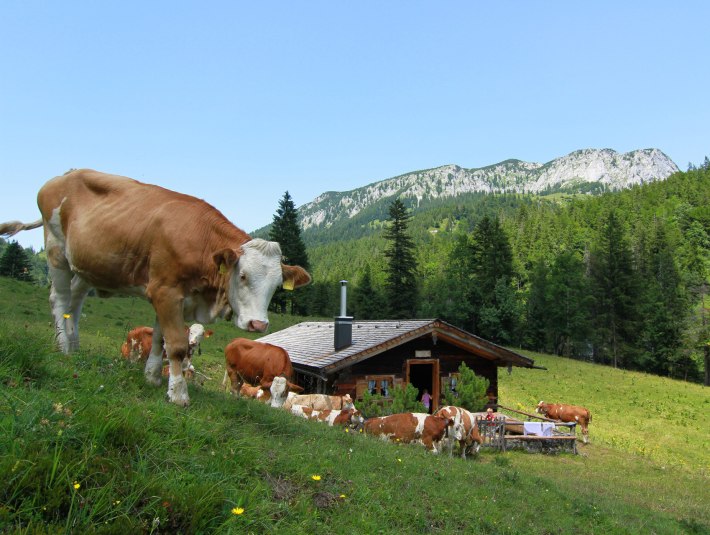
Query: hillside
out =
(87, 446)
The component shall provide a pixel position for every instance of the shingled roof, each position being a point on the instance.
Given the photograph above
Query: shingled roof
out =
(310, 344)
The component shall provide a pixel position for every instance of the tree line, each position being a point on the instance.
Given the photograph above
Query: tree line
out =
(619, 279)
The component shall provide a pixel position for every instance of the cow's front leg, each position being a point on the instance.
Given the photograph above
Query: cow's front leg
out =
(177, 385)
(154, 364)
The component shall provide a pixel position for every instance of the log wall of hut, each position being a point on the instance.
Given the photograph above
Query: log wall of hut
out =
(393, 362)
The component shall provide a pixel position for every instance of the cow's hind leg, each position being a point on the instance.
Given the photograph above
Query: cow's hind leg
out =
(60, 302)
(79, 290)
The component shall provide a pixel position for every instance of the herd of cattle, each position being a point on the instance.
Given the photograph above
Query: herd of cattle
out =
(120, 236)
(264, 372)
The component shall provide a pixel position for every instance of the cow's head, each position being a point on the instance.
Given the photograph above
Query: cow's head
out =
(280, 389)
(541, 408)
(357, 421)
(255, 271)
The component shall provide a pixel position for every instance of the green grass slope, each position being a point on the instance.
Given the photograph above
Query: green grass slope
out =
(86, 446)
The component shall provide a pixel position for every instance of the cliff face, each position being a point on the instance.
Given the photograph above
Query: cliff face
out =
(588, 166)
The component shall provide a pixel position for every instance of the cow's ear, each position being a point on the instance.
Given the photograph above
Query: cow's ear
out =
(294, 276)
(225, 259)
(295, 388)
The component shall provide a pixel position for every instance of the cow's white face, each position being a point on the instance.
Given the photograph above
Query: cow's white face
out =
(253, 282)
(279, 391)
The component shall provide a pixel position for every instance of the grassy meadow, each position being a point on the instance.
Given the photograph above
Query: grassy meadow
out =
(86, 446)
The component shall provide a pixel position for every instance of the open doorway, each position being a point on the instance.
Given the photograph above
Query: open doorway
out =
(423, 374)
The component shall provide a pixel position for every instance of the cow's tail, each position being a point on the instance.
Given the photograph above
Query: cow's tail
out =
(589, 415)
(13, 227)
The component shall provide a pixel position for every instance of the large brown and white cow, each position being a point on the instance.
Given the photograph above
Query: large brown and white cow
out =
(346, 417)
(567, 413)
(465, 428)
(411, 427)
(119, 235)
(256, 363)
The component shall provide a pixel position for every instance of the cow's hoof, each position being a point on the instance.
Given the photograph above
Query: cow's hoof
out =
(177, 391)
(152, 379)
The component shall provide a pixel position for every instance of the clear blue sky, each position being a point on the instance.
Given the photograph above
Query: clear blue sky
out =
(237, 102)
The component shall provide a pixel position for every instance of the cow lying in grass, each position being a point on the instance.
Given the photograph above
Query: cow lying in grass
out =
(413, 427)
(346, 417)
(320, 401)
(258, 393)
(567, 413)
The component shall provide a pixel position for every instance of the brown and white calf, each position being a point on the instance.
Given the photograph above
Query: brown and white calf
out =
(346, 417)
(465, 429)
(567, 413)
(411, 427)
(258, 393)
(121, 236)
(139, 342)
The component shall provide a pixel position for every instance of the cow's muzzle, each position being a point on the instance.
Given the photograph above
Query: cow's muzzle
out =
(257, 326)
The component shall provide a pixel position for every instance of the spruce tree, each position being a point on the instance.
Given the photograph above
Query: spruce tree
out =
(15, 263)
(366, 299)
(615, 290)
(568, 315)
(286, 230)
(495, 302)
(401, 287)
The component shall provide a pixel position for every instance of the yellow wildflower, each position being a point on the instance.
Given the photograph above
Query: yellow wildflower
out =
(77, 485)
(237, 510)
(315, 477)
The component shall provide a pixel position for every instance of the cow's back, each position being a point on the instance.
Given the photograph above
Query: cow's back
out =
(114, 230)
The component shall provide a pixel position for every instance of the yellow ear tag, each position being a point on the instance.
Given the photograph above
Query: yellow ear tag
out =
(288, 284)
(222, 269)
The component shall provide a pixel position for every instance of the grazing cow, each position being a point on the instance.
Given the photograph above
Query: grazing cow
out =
(280, 391)
(118, 235)
(321, 402)
(411, 427)
(567, 413)
(258, 393)
(347, 417)
(256, 363)
(465, 428)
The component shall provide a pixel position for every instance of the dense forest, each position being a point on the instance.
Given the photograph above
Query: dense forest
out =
(619, 278)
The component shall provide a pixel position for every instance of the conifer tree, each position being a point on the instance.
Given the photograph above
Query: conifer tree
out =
(15, 263)
(495, 302)
(401, 287)
(567, 316)
(286, 230)
(367, 302)
(615, 290)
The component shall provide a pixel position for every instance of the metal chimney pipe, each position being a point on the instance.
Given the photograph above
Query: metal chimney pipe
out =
(343, 298)
(343, 324)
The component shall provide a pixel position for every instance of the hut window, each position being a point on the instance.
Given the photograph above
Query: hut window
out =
(376, 384)
(452, 381)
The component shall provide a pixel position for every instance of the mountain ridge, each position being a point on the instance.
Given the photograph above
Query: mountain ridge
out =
(606, 167)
